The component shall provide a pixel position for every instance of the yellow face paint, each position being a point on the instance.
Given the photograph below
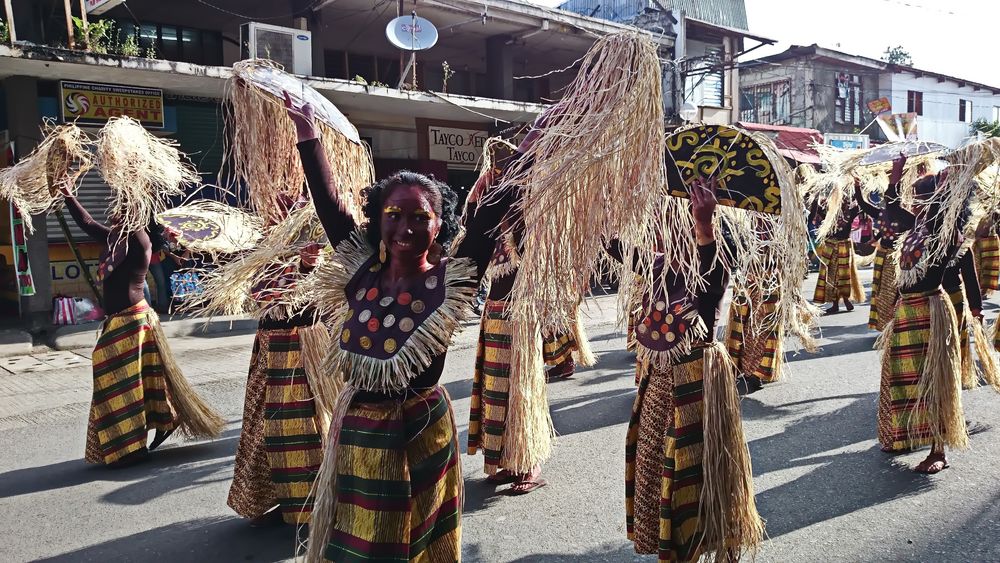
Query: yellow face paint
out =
(392, 209)
(423, 213)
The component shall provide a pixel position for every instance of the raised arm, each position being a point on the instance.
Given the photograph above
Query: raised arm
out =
(893, 202)
(337, 222)
(482, 229)
(866, 207)
(85, 221)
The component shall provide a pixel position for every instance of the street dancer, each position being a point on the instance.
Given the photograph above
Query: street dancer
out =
(685, 440)
(986, 251)
(838, 274)
(885, 291)
(391, 481)
(920, 394)
(138, 385)
(493, 370)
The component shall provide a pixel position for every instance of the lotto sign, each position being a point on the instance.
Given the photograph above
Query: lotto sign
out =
(91, 103)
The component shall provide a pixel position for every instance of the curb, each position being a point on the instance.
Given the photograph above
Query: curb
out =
(15, 342)
(85, 335)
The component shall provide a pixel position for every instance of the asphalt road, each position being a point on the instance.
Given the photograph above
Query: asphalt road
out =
(825, 489)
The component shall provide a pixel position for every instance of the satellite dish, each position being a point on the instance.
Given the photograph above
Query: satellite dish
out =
(411, 33)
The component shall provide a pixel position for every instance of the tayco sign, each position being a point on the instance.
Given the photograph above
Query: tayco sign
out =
(98, 7)
(460, 148)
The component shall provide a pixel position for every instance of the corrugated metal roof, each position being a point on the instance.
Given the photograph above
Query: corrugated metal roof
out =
(729, 13)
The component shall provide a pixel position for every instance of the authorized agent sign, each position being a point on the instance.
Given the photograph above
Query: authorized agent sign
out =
(92, 103)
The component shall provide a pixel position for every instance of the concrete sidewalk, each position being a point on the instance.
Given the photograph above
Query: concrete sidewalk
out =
(74, 337)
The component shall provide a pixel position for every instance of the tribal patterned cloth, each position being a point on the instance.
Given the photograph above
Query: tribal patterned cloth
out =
(755, 351)
(986, 252)
(280, 448)
(902, 423)
(399, 482)
(958, 299)
(885, 291)
(131, 394)
(838, 274)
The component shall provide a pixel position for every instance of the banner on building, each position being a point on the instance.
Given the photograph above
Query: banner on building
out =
(880, 106)
(899, 126)
(847, 141)
(92, 103)
(460, 148)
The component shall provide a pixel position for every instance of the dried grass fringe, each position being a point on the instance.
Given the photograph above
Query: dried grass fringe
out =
(324, 489)
(727, 507)
(326, 389)
(584, 355)
(323, 291)
(143, 172)
(989, 367)
(240, 230)
(940, 387)
(60, 159)
(195, 417)
(262, 149)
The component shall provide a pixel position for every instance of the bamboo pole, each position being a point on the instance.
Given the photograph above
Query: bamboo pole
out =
(70, 39)
(79, 258)
(10, 20)
(86, 24)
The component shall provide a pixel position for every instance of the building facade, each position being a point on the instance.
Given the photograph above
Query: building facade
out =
(491, 68)
(824, 89)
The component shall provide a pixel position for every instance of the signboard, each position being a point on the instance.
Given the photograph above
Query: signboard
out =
(846, 140)
(899, 126)
(91, 103)
(98, 7)
(880, 106)
(460, 148)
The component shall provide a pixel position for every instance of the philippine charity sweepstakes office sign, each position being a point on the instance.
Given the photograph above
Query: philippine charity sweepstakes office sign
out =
(91, 103)
(460, 148)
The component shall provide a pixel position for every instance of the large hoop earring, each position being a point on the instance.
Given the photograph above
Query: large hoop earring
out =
(381, 251)
(435, 253)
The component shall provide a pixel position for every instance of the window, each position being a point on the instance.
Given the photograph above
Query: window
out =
(915, 102)
(965, 111)
(704, 74)
(174, 43)
(996, 113)
(848, 106)
(769, 104)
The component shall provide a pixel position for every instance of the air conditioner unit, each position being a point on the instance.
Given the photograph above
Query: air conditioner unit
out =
(291, 48)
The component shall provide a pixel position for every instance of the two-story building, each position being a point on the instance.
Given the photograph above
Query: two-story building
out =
(819, 88)
(491, 67)
(702, 69)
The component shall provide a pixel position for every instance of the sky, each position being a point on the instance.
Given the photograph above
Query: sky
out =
(959, 38)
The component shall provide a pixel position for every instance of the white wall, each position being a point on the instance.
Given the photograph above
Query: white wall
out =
(939, 122)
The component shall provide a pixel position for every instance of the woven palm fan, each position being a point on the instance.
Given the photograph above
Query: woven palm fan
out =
(262, 140)
(213, 228)
(61, 158)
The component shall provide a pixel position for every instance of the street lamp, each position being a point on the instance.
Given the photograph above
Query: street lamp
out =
(688, 112)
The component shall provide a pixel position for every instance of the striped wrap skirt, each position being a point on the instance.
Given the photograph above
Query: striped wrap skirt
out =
(280, 448)
(131, 393)
(491, 381)
(755, 351)
(664, 451)
(958, 300)
(903, 423)
(986, 252)
(838, 275)
(399, 482)
(885, 291)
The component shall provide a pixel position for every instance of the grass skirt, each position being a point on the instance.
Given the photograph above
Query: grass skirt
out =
(986, 252)
(838, 274)
(131, 392)
(885, 291)
(280, 448)
(906, 418)
(688, 482)
(755, 351)
(491, 381)
(398, 482)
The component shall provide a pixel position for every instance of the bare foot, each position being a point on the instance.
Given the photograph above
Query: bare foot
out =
(502, 477)
(935, 463)
(562, 371)
(527, 483)
(832, 310)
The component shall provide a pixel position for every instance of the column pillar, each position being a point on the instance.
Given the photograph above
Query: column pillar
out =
(499, 68)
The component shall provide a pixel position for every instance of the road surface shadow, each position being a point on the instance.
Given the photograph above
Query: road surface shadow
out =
(592, 411)
(842, 482)
(609, 553)
(78, 472)
(204, 539)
